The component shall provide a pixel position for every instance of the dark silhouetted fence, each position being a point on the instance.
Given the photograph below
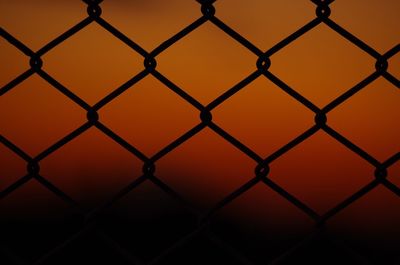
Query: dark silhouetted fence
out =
(261, 68)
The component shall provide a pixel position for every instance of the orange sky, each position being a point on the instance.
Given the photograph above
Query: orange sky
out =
(320, 65)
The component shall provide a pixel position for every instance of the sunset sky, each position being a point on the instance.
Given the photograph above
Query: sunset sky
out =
(321, 65)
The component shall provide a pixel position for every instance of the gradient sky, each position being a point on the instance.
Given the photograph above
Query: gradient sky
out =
(320, 65)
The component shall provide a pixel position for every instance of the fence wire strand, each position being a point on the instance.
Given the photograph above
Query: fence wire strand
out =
(261, 172)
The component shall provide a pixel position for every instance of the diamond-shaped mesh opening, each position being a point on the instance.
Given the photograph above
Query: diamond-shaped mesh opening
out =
(372, 109)
(206, 169)
(34, 27)
(284, 17)
(31, 228)
(13, 62)
(375, 237)
(205, 176)
(84, 64)
(334, 172)
(91, 168)
(260, 218)
(137, 18)
(261, 112)
(322, 70)
(140, 113)
(206, 63)
(375, 23)
(152, 217)
(21, 108)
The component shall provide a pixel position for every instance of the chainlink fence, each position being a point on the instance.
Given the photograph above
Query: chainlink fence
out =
(260, 175)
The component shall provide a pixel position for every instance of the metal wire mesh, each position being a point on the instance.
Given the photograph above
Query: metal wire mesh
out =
(261, 69)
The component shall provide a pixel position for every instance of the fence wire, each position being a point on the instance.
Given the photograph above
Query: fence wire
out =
(261, 68)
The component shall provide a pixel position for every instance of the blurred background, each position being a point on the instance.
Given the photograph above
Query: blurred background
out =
(321, 65)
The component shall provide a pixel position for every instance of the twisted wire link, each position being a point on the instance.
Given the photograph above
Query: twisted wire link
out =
(261, 172)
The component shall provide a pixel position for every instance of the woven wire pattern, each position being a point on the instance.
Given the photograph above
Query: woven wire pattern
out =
(261, 69)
